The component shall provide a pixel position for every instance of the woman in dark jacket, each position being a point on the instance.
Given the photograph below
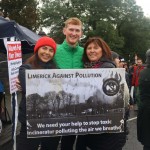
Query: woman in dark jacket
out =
(143, 117)
(97, 54)
(44, 52)
(1, 96)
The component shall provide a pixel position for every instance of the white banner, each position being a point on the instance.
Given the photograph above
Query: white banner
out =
(74, 101)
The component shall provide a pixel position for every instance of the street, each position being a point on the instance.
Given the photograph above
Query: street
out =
(132, 142)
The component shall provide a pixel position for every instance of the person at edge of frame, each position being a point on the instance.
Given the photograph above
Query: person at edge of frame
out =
(143, 116)
(1, 99)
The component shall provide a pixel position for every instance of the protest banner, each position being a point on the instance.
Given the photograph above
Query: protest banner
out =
(74, 101)
(14, 58)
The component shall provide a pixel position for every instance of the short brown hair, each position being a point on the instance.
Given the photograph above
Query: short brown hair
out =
(106, 51)
(74, 21)
(139, 59)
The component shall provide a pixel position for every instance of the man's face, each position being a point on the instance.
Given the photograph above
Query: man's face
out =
(139, 62)
(73, 33)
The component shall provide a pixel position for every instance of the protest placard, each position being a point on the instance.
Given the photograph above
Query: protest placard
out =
(74, 101)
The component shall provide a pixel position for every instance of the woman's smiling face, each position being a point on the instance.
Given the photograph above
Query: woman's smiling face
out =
(94, 52)
(45, 53)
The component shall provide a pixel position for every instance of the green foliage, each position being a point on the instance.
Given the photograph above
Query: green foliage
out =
(134, 27)
(24, 12)
(54, 14)
(108, 32)
(121, 23)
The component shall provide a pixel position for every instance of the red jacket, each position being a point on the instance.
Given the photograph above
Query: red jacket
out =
(136, 73)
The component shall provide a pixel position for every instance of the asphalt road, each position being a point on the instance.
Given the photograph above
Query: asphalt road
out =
(132, 142)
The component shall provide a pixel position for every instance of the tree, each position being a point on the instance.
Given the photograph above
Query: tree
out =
(108, 32)
(33, 103)
(54, 13)
(51, 98)
(91, 12)
(135, 28)
(121, 23)
(24, 12)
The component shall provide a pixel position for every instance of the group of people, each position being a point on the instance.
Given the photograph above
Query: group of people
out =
(69, 55)
(139, 80)
(132, 79)
(138, 76)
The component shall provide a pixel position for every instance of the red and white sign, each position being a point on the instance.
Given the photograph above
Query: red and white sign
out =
(14, 56)
(14, 51)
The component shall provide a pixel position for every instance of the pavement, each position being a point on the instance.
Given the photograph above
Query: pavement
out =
(132, 142)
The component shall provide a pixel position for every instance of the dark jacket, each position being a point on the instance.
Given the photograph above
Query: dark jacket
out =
(107, 63)
(22, 106)
(143, 118)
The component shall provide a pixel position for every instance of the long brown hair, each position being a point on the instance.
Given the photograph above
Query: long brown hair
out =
(106, 51)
